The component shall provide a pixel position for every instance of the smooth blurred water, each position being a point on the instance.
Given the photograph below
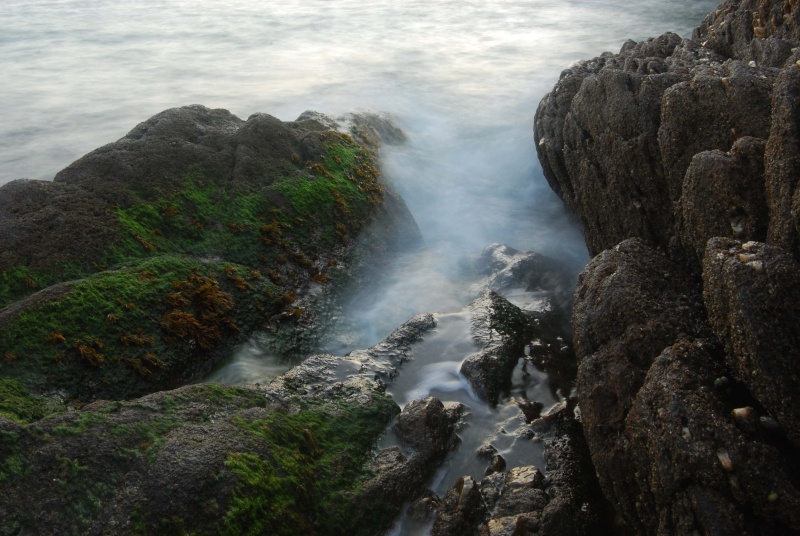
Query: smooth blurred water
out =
(463, 78)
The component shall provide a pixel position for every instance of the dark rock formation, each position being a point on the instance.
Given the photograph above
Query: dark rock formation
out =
(294, 457)
(501, 330)
(752, 293)
(461, 511)
(618, 135)
(680, 157)
(144, 262)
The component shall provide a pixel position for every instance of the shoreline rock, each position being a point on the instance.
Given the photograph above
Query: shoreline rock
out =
(680, 158)
(144, 262)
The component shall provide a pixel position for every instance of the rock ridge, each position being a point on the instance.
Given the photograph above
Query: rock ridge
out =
(681, 159)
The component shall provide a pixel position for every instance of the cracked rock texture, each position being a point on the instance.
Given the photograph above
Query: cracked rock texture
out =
(681, 158)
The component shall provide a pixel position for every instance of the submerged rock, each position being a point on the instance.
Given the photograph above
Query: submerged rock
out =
(502, 332)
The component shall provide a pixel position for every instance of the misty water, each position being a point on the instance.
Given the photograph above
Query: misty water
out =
(462, 79)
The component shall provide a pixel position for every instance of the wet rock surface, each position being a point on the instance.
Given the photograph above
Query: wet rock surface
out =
(146, 261)
(752, 293)
(209, 458)
(619, 133)
(679, 156)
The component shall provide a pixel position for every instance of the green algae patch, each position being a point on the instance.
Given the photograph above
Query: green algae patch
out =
(18, 404)
(126, 332)
(305, 482)
(200, 219)
(74, 464)
(187, 275)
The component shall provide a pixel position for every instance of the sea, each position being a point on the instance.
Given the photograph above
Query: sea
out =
(462, 78)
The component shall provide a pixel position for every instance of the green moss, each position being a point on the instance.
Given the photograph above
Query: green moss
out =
(80, 424)
(18, 404)
(200, 219)
(115, 327)
(13, 467)
(20, 281)
(303, 483)
(118, 334)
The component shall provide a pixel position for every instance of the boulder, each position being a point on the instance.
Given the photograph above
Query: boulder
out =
(675, 141)
(146, 261)
(680, 158)
(461, 511)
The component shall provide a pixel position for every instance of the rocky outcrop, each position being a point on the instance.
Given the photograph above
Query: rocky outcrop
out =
(143, 263)
(678, 140)
(293, 457)
(679, 157)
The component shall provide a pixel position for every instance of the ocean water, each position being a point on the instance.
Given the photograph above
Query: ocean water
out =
(462, 78)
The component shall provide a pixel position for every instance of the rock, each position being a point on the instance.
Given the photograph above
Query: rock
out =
(507, 270)
(496, 465)
(206, 457)
(461, 511)
(521, 500)
(695, 469)
(692, 116)
(605, 111)
(752, 293)
(424, 427)
(782, 163)
(144, 262)
(531, 409)
(518, 525)
(723, 194)
(576, 504)
(202, 459)
(502, 331)
(491, 487)
(680, 158)
(486, 451)
(654, 419)
(538, 287)
(524, 477)
(630, 304)
(754, 31)
(424, 508)
(427, 431)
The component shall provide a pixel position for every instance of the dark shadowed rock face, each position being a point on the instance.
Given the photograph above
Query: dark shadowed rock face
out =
(618, 134)
(752, 293)
(681, 158)
(666, 426)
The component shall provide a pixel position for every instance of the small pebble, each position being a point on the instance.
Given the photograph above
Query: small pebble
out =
(769, 424)
(725, 460)
(742, 414)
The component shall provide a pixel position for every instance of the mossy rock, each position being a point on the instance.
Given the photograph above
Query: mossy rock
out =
(204, 459)
(173, 245)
